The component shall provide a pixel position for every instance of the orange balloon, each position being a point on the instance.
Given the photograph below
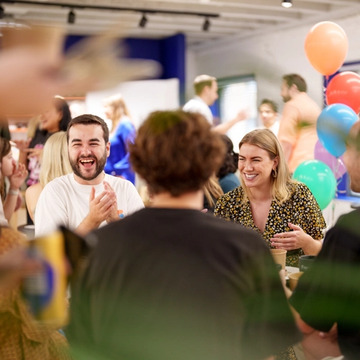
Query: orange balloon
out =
(326, 47)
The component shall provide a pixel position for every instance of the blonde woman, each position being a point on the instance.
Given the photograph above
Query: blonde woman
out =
(122, 132)
(55, 163)
(284, 212)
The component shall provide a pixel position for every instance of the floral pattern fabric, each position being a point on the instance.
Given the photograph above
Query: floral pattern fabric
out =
(300, 209)
(21, 336)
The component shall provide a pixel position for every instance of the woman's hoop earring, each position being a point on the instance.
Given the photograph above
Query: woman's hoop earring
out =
(274, 173)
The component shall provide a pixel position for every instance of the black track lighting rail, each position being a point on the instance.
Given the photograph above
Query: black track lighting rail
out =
(111, 8)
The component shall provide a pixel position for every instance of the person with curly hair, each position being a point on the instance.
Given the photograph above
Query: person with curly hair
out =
(228, 180)
(170, 282)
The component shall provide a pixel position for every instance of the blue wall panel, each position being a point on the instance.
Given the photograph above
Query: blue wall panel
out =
(169, 52)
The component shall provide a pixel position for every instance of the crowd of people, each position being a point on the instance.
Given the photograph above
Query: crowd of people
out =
(174, 280)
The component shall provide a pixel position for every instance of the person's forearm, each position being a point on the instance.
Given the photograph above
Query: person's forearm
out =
(10, 203)
(23, 158)
(224, 127)
(86, 226)
(312, 247)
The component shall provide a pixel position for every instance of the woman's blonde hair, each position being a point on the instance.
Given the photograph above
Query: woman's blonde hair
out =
(55, 159)
(118, 104)
(212, 190)
(265, 139)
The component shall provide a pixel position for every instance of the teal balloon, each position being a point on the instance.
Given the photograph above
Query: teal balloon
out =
(333, 126)
(319, 178)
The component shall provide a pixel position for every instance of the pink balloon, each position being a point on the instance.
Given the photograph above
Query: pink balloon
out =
(335, 164)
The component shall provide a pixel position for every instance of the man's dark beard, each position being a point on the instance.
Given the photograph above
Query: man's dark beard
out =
(100, 164)
(286, 99)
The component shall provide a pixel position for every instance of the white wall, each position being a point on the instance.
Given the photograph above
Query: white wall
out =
(141, 98)
(268, 57)
(191, 71)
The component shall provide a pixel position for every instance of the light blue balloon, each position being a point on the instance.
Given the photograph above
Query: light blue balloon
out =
(333, 126)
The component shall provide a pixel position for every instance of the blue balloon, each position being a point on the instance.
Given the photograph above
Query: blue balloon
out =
(333, 126)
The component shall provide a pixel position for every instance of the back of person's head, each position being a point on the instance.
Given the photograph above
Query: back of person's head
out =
(89, 119)
(55, 160)
(201, 81)
(63, 107)
(118, 105)
(270, 103)
(176, 152)
(265, 139)
(230, 163)
(297, 80)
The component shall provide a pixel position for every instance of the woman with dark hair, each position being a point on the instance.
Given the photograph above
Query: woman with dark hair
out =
(226, 174)
(15, 174)
(55, 119)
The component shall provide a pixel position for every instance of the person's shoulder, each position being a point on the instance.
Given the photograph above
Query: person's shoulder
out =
(298, 188)
(126, 123)
(300, 192)
(230, 177)
(194, 102)
(229, 182)
(303, 100)
(33, 190)
(68, 178)
(306, 97)
(39, 138)
(60, 182)
(349, 222)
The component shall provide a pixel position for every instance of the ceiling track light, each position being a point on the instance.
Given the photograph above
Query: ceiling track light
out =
(143, 21)
(206, 25)
(71, 17)
(286, 3)
(109, 8)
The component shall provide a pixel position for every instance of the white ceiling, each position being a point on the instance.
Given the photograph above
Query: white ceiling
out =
(240, 18)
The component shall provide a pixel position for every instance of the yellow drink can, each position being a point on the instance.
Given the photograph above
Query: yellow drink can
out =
(45, 292)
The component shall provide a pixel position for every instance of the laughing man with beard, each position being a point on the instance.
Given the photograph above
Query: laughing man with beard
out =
(87, 198)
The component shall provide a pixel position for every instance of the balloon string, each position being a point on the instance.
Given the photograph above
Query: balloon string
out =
(326, 83)
(338, 176)
(333, 213)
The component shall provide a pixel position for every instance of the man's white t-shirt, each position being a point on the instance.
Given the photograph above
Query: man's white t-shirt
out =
(198, 105)
(65, 202)
(274, 127)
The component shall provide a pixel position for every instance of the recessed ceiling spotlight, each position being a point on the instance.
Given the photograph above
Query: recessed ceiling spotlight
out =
(286, 3)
